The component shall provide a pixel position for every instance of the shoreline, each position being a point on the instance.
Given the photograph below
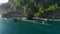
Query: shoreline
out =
(24, 18)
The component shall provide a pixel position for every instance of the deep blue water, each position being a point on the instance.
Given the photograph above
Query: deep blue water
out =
(26, 27)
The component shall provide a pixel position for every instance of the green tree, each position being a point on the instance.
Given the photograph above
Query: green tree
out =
(35, 6)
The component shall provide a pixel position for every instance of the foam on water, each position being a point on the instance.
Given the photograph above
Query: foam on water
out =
(1, 17)
(43, 22)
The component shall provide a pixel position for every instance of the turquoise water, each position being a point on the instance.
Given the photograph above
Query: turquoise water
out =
(28, 27)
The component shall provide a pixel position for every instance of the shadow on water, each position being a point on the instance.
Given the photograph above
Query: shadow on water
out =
(27, 27)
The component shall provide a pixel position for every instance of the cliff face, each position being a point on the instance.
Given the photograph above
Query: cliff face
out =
(33, 8)
(4, 8)
(13, 14)
(9, 12)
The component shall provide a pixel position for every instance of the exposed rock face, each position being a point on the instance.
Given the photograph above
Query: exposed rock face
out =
(13, 14)
(3, 7)
(10, 13)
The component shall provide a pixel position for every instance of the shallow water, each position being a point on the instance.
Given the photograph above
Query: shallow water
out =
(28, 27)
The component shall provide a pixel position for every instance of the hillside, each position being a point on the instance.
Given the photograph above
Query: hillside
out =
(55, 14)
(31, 6)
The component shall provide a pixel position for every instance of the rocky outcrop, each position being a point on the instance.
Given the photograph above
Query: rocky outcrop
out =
(13, 14)
(10, 13)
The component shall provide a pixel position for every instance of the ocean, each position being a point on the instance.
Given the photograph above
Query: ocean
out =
(29, 27)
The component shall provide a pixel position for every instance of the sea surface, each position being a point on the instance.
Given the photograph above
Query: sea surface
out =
(29, 27)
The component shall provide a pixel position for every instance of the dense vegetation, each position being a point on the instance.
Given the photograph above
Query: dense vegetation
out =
(37, 7)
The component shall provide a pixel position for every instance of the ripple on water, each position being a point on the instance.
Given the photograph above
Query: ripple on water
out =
(6, 27)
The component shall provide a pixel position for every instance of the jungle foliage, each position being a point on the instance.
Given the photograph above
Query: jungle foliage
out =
(35, 6)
